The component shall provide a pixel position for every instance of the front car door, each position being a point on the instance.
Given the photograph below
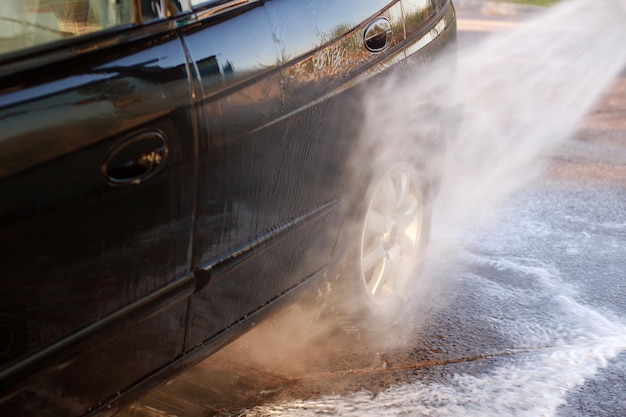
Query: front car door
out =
(97, 190)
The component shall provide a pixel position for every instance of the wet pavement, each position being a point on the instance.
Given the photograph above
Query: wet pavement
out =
(524, 317)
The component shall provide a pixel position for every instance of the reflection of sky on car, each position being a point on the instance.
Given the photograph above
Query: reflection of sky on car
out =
(286, 35)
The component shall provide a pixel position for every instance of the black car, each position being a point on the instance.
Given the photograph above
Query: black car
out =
(170, 170)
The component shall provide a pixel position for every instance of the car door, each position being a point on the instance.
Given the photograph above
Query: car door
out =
(97, 190)
(253, 194)
(279, 123)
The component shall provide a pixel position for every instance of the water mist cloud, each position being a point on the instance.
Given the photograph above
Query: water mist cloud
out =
(520, 94)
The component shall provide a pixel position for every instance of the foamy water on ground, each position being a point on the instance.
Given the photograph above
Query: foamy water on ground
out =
(552, 352)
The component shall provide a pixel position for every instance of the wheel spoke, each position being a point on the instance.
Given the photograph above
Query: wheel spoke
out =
(376, 222)
(373, 255)
(378, 280)
(389, 192)
(408, 214)
(406, 244)
(404, 186)
(389, 283)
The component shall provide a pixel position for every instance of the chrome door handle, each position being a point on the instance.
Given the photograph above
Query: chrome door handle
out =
(136, 159)
(378, 35)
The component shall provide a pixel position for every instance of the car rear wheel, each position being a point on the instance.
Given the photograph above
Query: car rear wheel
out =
(383, 265)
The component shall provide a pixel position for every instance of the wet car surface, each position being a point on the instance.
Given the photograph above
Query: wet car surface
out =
(524, 317)
(168, 169)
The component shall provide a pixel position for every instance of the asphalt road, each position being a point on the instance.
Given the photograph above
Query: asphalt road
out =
(525, 316)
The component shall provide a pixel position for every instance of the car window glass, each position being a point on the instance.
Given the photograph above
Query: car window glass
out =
(27, 23)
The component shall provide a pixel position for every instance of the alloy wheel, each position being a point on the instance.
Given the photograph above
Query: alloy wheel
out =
(391, 235)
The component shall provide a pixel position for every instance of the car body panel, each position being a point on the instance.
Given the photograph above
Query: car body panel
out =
(250, 178)
(115, 279)
(269, 107)
(75, 248)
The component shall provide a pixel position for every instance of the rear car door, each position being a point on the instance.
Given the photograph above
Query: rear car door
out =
(259, 229)
(279, 123)
(96, 200)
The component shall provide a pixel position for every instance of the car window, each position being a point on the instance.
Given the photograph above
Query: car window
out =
(27, 23)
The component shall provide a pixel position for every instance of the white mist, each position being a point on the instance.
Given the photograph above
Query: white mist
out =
(522, 93)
